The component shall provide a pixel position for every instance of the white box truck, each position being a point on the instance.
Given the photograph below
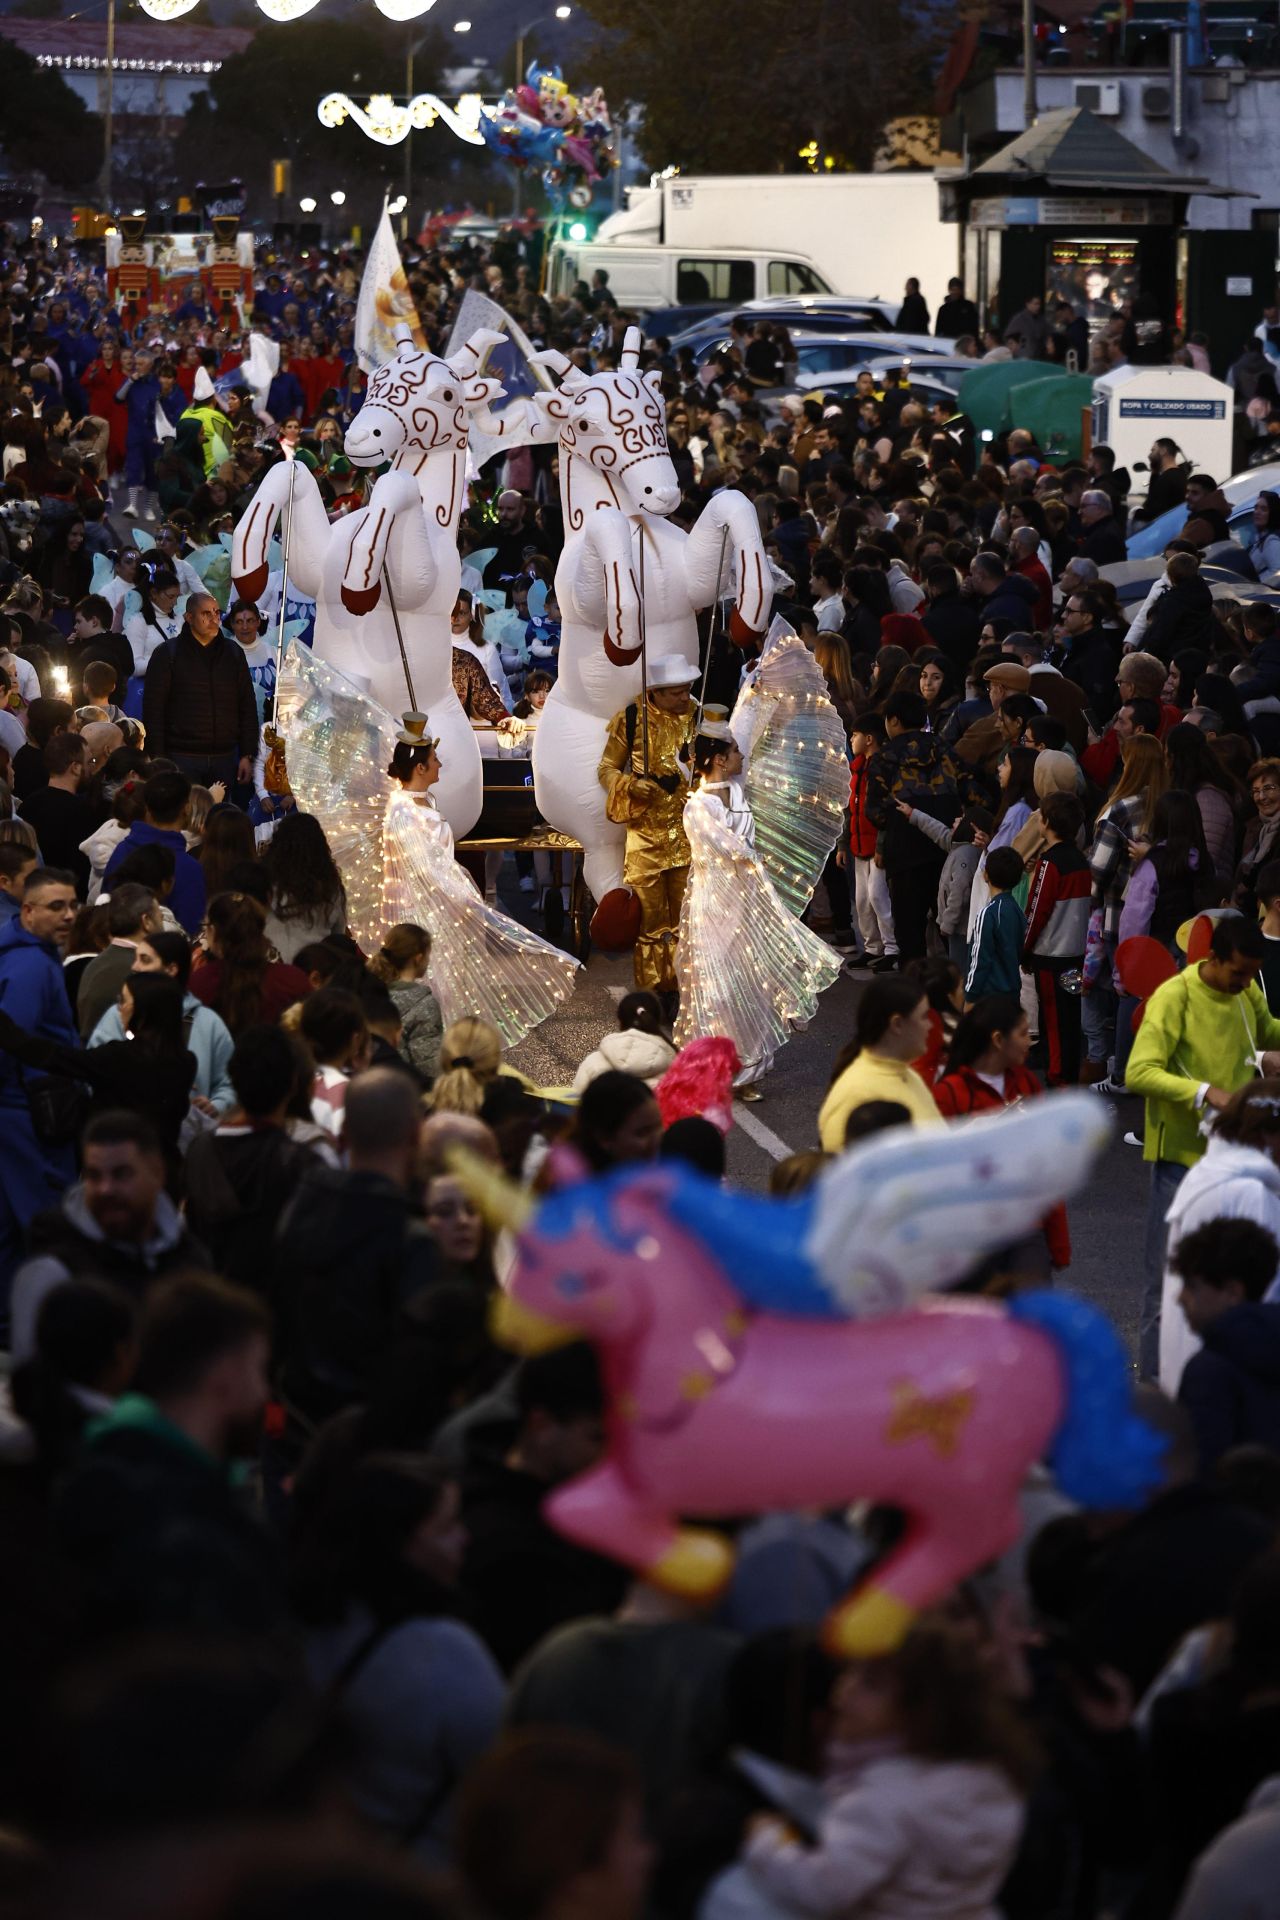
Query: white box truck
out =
(738, 237)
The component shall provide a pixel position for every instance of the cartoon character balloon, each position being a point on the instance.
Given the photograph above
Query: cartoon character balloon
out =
(542, 124)
(767, 1354)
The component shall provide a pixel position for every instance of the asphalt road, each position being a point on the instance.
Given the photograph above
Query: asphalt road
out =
(1107, 1222)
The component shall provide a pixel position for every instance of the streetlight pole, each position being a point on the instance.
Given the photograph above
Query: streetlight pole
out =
(108, 117)
(410, 50)
(562, 13)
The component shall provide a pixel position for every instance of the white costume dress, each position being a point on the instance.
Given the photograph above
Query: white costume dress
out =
(746, 967)
(482, 961)
(397, 859)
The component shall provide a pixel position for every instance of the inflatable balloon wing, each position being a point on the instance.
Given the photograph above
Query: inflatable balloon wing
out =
(765, 1354)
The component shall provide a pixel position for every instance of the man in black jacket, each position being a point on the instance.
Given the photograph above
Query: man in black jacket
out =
(953, 622)
(198, 703)
(1168, 485)
(1183, 615)
(1103, 542)
(151, 1517)
(1088, 660)
(351, 1251)
(957, 315)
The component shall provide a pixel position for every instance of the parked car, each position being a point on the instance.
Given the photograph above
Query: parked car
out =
(843, 387)
(1242, 491)
(852, 317)
(822, 354)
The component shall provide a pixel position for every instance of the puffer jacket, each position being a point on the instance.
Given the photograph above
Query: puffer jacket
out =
(200, 700)
(904, 1839)
(1230, 1182)
(916, 767)
(646, 1055)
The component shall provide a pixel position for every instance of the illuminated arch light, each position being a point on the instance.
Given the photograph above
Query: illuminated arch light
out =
(167, 9)
(403, 9)
(388, 122)
(284, 10)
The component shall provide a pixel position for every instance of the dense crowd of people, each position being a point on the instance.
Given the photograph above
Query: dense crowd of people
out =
(290, 1631)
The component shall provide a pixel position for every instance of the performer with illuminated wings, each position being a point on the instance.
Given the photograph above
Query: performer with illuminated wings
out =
(748, 968)
(396, 853)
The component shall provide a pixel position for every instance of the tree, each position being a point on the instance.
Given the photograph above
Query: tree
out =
(743, 86)
(44, 126)
(261, 105)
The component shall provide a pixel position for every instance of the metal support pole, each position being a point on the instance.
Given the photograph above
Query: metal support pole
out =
(644, 667)
(715, 619)
(517, 176)
(1029, 60)
(284, 586)
(404, 657)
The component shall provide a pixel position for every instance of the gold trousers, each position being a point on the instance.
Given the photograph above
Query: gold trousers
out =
(660, 896)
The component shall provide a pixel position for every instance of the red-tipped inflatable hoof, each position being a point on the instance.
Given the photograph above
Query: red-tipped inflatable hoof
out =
(739, 632)
(615, 924)
(249, 585)
(361, 600)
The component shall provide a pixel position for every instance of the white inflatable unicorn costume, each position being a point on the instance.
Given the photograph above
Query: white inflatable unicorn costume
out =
(626, 578)
(394, 563)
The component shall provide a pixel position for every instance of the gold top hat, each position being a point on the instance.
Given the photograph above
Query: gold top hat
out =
(414, 731)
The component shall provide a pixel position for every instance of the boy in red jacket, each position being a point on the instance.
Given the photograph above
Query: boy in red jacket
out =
(1057, 928)
(870, 886)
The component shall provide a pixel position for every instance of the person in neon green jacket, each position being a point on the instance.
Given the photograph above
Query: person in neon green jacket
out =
(1204, 1035)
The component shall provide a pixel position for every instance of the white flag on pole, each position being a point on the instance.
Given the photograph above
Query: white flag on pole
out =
(508, 363)
(385, 301)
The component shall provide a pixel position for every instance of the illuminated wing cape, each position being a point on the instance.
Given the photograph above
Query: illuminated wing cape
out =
(797, 776)
(397, 860)
(748, 969)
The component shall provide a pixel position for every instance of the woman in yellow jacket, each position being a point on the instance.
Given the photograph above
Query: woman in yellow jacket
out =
(890, 1030)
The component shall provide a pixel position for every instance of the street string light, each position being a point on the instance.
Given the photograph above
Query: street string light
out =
(389, 121)
(285, 10)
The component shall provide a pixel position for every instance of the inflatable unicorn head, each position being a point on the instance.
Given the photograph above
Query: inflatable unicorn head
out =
(418, 404)
(616, 423)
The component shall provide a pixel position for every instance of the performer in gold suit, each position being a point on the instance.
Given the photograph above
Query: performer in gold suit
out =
(651, 807)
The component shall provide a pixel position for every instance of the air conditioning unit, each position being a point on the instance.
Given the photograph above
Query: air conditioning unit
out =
(1103, 97)
(1157, 103)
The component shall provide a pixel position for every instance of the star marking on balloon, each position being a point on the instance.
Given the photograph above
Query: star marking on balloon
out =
(938, 1418)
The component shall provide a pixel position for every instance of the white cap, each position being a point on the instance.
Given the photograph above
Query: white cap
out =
(671, 670)
(203, 387)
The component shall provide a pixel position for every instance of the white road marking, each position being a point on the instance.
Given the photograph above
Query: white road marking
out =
(765, 1137)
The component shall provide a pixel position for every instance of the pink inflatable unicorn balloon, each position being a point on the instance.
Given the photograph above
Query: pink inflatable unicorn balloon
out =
(764, 1354)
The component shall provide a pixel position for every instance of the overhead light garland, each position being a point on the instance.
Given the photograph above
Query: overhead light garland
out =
(388, 121)
(284, 10)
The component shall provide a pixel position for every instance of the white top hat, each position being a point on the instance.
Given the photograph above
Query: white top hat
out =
(671, 670)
